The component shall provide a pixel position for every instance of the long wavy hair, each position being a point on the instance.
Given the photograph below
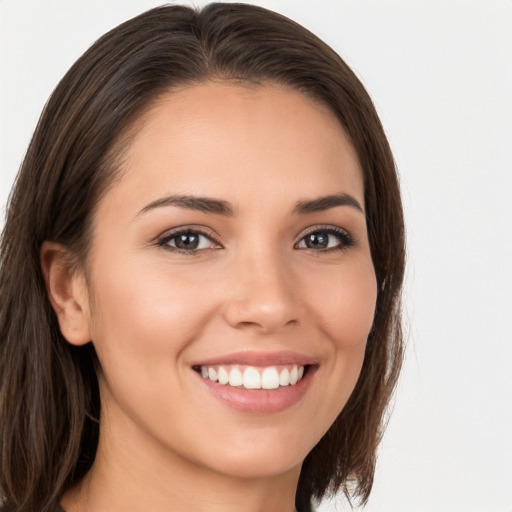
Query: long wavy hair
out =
(49, 399)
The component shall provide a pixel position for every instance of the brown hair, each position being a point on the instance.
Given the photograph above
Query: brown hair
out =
(49, 392)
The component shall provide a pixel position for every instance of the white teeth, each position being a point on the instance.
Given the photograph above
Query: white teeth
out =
(223, 376)
(235, 377)
(252, 378)
(284, 378)
(270, 377)
(294, 375)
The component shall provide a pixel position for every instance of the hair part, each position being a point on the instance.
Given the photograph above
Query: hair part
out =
(49, 399)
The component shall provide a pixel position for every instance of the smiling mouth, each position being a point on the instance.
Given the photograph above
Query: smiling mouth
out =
(254, 377)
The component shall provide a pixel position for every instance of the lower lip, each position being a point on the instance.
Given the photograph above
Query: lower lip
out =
(260, 401)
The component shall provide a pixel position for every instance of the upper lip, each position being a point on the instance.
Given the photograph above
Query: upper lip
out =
(255, 358)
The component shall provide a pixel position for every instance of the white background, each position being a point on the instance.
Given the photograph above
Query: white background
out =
(440, 74)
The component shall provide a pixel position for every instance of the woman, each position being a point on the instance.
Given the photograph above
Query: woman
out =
(201, 273)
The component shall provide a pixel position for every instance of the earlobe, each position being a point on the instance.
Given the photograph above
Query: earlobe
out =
(67, 292)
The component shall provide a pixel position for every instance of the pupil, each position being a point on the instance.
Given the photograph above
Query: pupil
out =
(316, 240)
(187, 241)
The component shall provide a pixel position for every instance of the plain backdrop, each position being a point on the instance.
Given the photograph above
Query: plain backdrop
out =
(440, 74)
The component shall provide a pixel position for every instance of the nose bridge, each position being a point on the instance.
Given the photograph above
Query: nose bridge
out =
(262, 291)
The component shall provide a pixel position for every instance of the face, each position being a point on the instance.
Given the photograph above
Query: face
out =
(231, 285)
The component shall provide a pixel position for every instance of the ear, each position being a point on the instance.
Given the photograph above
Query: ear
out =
(68, 294)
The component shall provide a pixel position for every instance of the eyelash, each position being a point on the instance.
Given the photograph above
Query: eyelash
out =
(164, 241)
(345, 239)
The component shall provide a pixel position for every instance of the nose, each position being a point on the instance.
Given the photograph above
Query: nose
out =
(262, 295)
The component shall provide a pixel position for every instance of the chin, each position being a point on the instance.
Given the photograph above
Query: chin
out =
(254, 466)
(262, 454)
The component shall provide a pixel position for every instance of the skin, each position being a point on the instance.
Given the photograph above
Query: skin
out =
(152, 311)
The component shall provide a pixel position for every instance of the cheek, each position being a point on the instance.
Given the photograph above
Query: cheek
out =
(345, 305)
(145, 318)
(146, 312)
(345, 315)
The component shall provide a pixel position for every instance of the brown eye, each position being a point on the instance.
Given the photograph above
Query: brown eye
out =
(317, 240)
(188, 241)
(326, 239)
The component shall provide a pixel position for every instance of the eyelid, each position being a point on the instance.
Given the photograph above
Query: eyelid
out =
(324, 227)
(348, 240)
(169, 234)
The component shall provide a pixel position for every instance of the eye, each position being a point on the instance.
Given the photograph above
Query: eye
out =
(326, 239)
(188, 240)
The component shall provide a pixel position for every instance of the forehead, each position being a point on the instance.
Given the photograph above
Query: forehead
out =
(204, 137)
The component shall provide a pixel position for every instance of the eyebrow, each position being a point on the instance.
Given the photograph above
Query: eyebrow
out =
(325, 203)
(220, 207)
(202, 204)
